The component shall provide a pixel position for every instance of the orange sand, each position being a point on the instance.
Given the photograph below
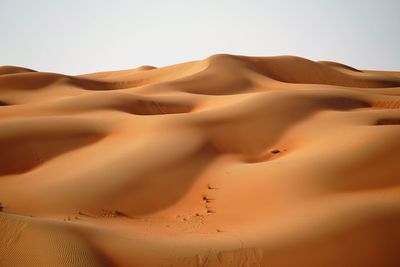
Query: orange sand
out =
(227, 161)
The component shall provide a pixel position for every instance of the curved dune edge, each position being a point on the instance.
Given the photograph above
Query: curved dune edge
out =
(226, 161)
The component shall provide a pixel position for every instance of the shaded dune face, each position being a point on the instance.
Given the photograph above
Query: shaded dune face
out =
(24, 150)
(226, 161)
(12, 70)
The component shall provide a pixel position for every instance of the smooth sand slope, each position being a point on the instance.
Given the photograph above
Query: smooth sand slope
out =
(227, 161)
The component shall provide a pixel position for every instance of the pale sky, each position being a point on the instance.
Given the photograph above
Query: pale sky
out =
(75, 37)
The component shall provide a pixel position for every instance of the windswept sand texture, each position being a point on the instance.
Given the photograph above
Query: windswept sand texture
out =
(228, 161)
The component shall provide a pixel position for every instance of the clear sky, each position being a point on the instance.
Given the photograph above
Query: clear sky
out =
(75, 37)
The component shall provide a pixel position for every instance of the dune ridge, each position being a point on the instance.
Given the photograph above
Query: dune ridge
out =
(227, 161)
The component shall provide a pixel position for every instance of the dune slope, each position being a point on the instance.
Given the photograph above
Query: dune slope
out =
(226, 161)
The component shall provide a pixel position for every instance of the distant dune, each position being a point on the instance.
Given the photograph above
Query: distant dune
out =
(227, 161)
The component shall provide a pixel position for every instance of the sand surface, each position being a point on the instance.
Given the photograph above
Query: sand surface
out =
(227, 161)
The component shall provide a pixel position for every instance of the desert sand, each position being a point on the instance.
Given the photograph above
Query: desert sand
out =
(227, 161)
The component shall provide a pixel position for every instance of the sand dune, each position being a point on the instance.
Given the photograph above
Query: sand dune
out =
(226, 161)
